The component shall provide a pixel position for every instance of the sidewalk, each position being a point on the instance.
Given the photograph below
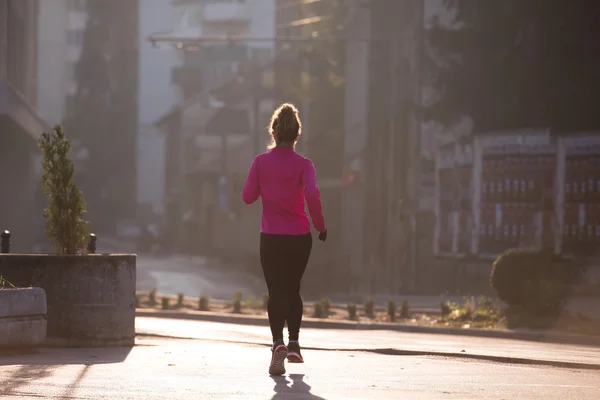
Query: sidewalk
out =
(315, 323)
(164, 369)
(384, 342)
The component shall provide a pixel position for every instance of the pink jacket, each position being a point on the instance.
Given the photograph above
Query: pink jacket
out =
(284, 179)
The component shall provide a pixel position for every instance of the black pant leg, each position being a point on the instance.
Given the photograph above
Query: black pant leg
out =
(299, 255)
(273, 265)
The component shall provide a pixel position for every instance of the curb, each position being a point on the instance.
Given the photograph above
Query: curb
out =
(545, 337)
(398, 352)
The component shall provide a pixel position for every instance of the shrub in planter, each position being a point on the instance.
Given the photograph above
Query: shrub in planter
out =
(391, 310)
(319, 311)
(237, 303)
(326, 303)
(535, 280)
(65, 225)
(203, 304)
(370, 309)
(90, 298)
(351, 311)
(405, 310)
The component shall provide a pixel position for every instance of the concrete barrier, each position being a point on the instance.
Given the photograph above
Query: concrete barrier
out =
(90, 298)
(22, 317)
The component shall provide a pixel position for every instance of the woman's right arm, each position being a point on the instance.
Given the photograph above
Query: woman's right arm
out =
(312, 194)
(251, 191)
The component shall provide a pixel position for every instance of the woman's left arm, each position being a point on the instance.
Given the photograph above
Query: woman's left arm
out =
(251, 191)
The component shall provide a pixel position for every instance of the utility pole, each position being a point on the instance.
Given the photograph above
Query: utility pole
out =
(420, 42)
(391, 221)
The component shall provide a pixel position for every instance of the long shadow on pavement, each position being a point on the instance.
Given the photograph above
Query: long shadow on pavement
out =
(40, 364)
(296, 390)
(66, 356)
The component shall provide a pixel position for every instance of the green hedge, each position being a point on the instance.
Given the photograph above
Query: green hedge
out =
(534, 280)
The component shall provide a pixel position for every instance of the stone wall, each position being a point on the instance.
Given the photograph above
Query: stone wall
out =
(22, 317)
(91, 299)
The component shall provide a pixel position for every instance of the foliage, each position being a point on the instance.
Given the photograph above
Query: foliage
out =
(405, 310)
(237, 303)
(535, 280)
(319, 312)
(445, 308)
(152, 296)
(370, 309)
(65, 225)
(5, 283)
(203, 303)
(391, 310)
(513, 64)
(253, 304)
(479, 312)
(351, 311)
(165, 303)
(180, 298)
(326, 303)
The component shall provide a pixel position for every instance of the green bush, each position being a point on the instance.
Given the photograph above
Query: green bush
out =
(165, 303)
(405, 310)
(326, 303)
(445, 308)
(319, 310)
(237, 303)
(180, 298)
(351, 311)
(534, 280)
(65, 225)
(391, 310)
(370, 309)
(253, 304)
(203, 304)
(152, 296)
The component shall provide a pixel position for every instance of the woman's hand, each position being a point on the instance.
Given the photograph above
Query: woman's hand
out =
(323, 236)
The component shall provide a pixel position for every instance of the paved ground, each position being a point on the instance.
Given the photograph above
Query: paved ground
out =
(206, 369)
(195, 276)
(383, 341)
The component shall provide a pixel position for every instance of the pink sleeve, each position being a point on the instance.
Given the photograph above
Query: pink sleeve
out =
(251, 191)
(312, 194)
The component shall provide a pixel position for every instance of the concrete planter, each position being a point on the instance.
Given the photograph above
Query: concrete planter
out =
(90, 298)
(22, 317)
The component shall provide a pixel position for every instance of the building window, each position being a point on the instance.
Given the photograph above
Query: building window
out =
(75, 37)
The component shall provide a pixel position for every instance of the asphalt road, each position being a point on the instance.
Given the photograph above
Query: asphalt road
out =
(207, 369)
(196, 276)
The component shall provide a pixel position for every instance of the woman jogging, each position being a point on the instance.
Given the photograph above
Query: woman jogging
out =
(284, 179)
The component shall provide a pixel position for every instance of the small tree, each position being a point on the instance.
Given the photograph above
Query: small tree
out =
(65, 225)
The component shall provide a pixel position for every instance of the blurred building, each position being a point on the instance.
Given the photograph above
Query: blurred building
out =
(157, 94)
(111, 191)
(214, 124)
(20, 122)
(60, 35)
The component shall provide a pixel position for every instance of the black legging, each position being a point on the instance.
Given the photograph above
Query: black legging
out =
(284, 259)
